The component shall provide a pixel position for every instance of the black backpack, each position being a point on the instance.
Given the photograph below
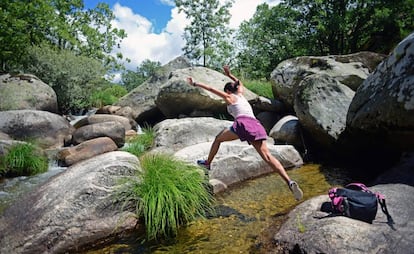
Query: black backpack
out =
(358, 202)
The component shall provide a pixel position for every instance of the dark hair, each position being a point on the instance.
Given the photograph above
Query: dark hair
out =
(231, 86)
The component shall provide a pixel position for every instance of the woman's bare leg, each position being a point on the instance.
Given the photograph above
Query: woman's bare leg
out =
(263, 150)
(224, 135)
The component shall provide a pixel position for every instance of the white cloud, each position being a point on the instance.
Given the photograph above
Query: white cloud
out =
(143, 43)
(168, 2)
(244, 9)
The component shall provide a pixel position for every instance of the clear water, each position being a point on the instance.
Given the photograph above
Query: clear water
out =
(259, 204)
(12, 188)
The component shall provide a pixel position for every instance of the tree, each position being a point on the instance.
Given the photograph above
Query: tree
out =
(208, 36)
(61, 23)
(348, 26)
(132, 79)
(22, 24)
(269, 37)
(74, 78)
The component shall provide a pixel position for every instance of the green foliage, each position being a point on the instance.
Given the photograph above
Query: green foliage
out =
(270, 36)
(207, 37)
(64, 24)
(22, 23)
(116, 90)
(101, 98)
(169, 194)
(23, 159)
(323, 27)
(348, 26)
(261, 88)
(107, 96)
(72, 77)
(132, 79)
(141, 143)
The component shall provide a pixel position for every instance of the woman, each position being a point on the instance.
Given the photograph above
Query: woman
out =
(245, 127)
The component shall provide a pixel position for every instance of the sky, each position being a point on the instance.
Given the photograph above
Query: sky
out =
(154, 28)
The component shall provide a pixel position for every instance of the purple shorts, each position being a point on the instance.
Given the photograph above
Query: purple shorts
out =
(248, 129)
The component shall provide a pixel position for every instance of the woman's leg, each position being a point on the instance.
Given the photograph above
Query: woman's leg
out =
(224, 135)
(263, 150)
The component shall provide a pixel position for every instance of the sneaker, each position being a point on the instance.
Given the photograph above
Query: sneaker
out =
(204, 164)
(297, 192)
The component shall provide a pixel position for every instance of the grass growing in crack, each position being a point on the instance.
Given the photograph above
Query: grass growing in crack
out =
(139, 144)
(23, 159)
(169, 193)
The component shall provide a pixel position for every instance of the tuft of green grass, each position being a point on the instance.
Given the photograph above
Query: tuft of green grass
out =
(23, 159)
(141, 143)
(261, 88)
(169, 193)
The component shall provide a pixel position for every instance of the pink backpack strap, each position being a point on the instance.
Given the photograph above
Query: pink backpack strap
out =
(358, 186)
(332, 193)
(379, 196)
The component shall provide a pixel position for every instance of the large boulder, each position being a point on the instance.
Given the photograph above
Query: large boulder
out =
(49, 130)
(177, 97)
(382, 110)
(26, 91)
(350, 70)
(117, 110)
(71, 211)
(287, 131)
(111, 129)
(321, 105)
(237, 161)
(101, 118)
(190, 139)
(309, 230)
(268, 119)
(141, 100)
(172, 135)
(86, 150)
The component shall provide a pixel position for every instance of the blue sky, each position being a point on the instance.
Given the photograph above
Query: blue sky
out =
(154, 28)
(156, 11)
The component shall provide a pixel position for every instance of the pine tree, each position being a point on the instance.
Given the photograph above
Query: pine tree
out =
(208, 35)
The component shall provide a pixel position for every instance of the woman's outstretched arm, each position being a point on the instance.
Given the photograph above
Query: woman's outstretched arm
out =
(222, 94)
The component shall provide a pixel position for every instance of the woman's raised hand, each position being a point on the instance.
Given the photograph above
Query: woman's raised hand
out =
(226, 69)
(190, 81)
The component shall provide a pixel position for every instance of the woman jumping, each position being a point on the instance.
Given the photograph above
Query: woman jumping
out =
(245, 127)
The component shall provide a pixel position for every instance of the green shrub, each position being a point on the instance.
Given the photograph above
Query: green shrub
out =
(169, 193)
(140, 143)
(101, 98)
(116, 90)
(261, 88)
(107, 96)
(23, 159)
(74, 78)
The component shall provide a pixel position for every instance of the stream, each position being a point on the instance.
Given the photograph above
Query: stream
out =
(12, 188)
(245, 212)
(249, 209)
(250, 213)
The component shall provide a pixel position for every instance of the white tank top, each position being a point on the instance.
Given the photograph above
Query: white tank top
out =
(240, 108)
